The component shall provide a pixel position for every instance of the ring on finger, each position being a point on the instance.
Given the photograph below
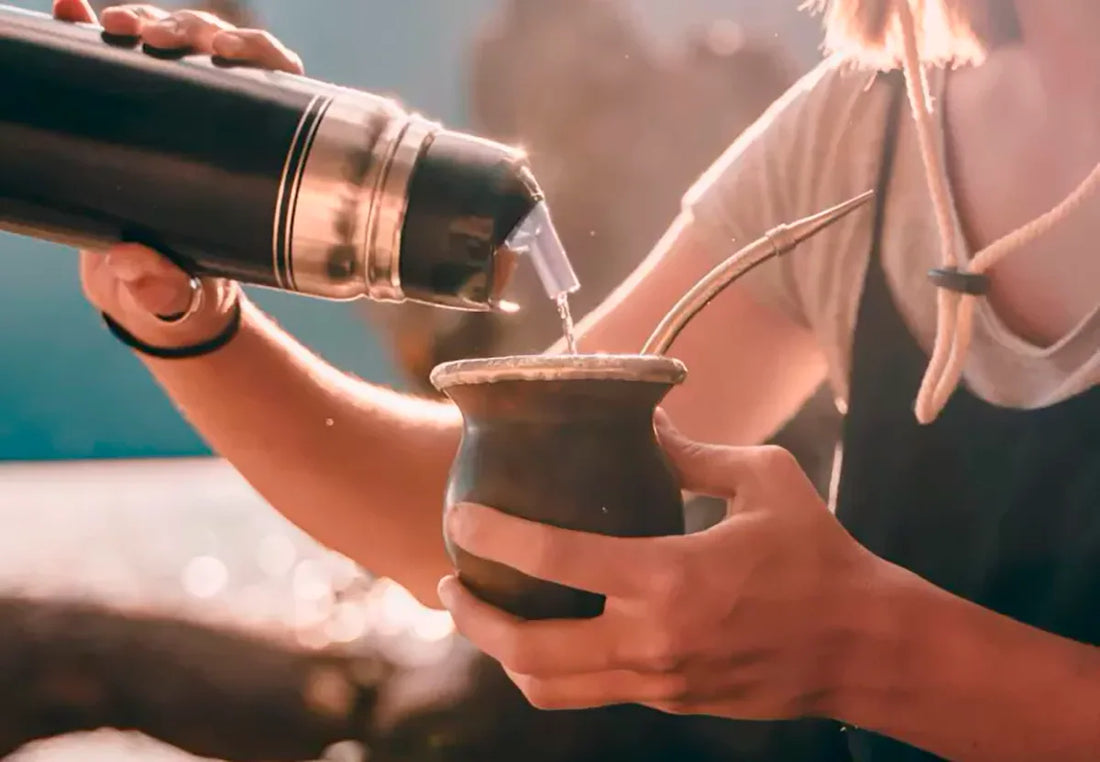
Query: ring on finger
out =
(197, 297)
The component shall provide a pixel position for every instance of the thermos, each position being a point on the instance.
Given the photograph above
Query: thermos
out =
(264, 177)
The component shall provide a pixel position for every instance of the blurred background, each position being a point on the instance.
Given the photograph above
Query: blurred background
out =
(146, 588)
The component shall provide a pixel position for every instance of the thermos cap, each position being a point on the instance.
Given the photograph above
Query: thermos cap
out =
(465, 198)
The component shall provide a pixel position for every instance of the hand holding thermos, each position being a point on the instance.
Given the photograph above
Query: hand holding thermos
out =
(130, 282)
(179, 134)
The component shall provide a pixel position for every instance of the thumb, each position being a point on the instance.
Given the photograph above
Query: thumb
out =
(73, 10)
(705, 469)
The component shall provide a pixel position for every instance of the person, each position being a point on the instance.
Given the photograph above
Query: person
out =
(948, 606)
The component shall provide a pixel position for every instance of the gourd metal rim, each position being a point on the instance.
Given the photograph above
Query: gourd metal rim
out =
(643, 368)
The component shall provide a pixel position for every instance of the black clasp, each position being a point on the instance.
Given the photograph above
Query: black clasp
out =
(953, 279)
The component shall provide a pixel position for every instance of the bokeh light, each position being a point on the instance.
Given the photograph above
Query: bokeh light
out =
(205, 577)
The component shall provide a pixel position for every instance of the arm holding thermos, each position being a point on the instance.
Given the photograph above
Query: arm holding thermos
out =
(363, 468)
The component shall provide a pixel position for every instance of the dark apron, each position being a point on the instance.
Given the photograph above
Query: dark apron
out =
(995, 505)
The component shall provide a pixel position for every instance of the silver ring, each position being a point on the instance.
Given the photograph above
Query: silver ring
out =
(198, 297)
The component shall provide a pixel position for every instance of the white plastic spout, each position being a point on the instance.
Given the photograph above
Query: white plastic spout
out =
(536, 238)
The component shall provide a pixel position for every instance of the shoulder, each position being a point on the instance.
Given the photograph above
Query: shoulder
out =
(808, 135)
(818, 145)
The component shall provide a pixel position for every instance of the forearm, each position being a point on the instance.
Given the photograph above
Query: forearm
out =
(965, 683)
(360, 468)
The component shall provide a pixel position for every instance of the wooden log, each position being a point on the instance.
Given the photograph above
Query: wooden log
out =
(71, 666)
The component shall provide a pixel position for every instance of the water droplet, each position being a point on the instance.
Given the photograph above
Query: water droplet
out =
(567, 327)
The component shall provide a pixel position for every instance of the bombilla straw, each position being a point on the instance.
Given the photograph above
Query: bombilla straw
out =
(775, 242)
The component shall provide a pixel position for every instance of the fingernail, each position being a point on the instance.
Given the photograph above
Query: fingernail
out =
(446, 591)
(229, 45)
(457, 519)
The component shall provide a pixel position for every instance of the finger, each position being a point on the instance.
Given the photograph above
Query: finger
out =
(100, 281)
(132, 262)
(700, 467)
(92, 275)
(716, 470)
(194, 30)
(600, 689)
(614, 566)
(156, 297)
(544, 647)
(661, 419)
(147, 281)
(130, 20)
(680, 450)
(257, 47)
(77, 11)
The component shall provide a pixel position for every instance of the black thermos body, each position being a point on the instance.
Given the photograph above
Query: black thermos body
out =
(265, 177)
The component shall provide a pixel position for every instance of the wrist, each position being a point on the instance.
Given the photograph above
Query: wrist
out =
(941, 673)
(869, 639)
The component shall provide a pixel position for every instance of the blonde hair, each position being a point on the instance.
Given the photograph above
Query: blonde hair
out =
(949, 31)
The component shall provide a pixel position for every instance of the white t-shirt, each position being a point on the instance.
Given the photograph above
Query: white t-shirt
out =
(820, 145)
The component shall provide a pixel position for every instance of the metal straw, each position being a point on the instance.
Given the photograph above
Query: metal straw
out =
(777, 241)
